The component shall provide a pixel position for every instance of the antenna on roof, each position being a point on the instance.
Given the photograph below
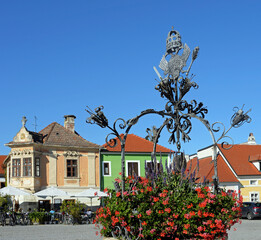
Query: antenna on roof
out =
(35, 124)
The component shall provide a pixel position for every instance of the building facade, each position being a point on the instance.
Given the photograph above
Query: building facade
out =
(137, 153)
(239, 168)
(56, 156)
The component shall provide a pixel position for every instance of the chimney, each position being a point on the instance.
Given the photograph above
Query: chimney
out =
(251, 139)
(69, 122)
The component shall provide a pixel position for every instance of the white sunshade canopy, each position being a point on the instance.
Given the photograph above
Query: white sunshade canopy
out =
(12, 191)
(91, 193)
(51, 192)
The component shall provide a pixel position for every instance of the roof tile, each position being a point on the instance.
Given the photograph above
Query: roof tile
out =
(239, 157)
(135, 143)
(55, 134)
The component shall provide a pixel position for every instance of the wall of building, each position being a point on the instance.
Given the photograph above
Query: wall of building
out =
(115, 163)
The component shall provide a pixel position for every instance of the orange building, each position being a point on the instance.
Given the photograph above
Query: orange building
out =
(55, 156)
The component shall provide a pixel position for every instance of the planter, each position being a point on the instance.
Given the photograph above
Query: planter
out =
(111, 238)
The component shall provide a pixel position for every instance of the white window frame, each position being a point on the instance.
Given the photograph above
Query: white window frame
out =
(253, 182)
(132, 161)
(250, 198)
(107, 175)
(148, 161)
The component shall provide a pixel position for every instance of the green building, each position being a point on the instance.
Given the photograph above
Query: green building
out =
(137, 152)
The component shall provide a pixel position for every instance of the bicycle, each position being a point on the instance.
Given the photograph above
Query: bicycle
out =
(3, 218)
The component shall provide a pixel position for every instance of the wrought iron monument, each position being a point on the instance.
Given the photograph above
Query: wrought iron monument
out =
(175, 83)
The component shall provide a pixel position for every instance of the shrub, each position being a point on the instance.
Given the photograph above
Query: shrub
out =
(168, 206)
(73, 208)
(37, 217)
(5, 202)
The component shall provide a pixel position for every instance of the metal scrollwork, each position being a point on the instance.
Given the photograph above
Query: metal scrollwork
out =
(172, 86)
(98, 117)
(239, 118)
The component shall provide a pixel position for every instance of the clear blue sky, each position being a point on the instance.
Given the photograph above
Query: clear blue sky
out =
(58, 56)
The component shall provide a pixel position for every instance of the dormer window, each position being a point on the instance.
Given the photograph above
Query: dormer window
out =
(253, 182)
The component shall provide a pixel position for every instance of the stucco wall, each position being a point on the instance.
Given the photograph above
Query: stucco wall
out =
(115, 160)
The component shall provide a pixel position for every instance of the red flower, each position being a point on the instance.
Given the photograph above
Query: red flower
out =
(165, 202)
(155, 199)
(168, 210)
(200, 228)
(118, 194)
(186, 226)
(148, 212)
(190, 205)
(144, 223)
(187, 216)
(223, 194)
(202, 205)
(139, 215)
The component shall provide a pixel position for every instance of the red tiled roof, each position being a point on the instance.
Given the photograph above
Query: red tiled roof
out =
(135, 143)
(206, 169)
(56, 134)
(239, 157)
(2, 158)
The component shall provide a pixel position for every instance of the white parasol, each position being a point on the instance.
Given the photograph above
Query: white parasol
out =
(12, 191)
(91, 193)
(51, 192)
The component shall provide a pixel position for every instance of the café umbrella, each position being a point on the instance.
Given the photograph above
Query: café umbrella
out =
(91, 193)
(12, 191)
(51, 192)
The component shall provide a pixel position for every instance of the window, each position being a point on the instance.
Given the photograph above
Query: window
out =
(37, 167)
(27, 167)
(253, 182)
(133, 168)
(106, 168)
(254, 197)
(71, 168)
(16, 167)
(149, 165)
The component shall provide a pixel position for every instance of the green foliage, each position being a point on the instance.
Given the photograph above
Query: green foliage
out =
(37, 217)
(73, 208)
(169, 207)
(5, 202)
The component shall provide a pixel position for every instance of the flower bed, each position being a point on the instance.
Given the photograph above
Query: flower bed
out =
(169, 206)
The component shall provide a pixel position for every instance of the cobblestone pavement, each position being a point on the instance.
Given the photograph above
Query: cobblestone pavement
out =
(248, 230)
(42, 232)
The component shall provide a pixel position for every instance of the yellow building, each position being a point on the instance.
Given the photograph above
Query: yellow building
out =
(239, 168)
(55, 156)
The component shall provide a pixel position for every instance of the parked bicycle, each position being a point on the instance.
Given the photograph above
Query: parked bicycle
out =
(3, 218)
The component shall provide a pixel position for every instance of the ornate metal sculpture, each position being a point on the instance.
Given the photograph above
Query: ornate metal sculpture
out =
(178, 113)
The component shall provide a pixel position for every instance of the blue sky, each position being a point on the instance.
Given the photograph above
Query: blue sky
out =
(56, 57)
